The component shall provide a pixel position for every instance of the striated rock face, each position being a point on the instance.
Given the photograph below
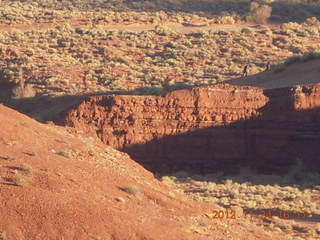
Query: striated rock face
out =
(218, 127)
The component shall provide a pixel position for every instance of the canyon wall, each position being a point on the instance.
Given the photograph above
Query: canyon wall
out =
(219, 127)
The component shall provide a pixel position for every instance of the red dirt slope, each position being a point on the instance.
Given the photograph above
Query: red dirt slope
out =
(283, 76)
(71, 185)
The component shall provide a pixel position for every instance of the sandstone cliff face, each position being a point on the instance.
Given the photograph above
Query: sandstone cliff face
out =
(219, 127)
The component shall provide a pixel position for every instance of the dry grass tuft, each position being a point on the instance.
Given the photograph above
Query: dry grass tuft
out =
(204, 222)
(21, 180)
(298, 190)
(64, 154)
(9, 158)
(24, 177)
(318, 228)
(3, 236)
(132, 189)
(23, 91)
(27, 169)
(119, 199)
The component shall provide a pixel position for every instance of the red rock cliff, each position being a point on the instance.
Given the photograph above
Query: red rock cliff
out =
(209, 128)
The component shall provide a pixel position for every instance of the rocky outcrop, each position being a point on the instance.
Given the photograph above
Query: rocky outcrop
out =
(218, 127)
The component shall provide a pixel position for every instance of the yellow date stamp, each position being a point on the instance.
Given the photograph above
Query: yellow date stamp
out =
(258, 214)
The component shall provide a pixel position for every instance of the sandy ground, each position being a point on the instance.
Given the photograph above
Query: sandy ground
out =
(184, 28)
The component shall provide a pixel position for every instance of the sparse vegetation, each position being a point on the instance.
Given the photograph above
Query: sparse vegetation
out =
(23, 91)
(132, 189)
(23, 176)
(97, 12)
(302, 58)
(9, 158)
(70, 58)
(3, 236)
(297, 191)
(75, 51)
(33, 154)
(120, 199)
(151, 62)
(64, 154)
(204, 222)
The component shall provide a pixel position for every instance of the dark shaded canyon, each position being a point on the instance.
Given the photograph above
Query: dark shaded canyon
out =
(212, 128)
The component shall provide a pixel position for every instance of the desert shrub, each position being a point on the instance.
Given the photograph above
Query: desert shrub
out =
(27, 169)
(292, 60)
(180, 86)
(132, 189)
(226, 20)
(296, 49)
(310, 56)
(267, 31)
(247, 30)
(124, 59)
(164, 30)
(22, 90)
(64, 154)
(200, 34)
(281, 42)
(136, 59)
(63, 42)
(302, 58)
(312, 21)
(204, 222)
(119, 199)
(314, 31)
(20, 180)
(290, 27)
(3, 236)
(24, 177)
(171, 44)
(154, 91)
(17, 35)
(259, 13)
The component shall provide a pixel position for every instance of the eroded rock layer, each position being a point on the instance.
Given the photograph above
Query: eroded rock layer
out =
(218, 127)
